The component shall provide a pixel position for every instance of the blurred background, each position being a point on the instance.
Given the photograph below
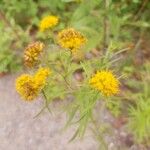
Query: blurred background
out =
(127, 27)
(108, 24)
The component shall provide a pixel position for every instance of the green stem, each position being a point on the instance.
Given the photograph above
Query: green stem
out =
(46, 101)
(63, 76)
(65, 80)
(44, 107)
(40, 112)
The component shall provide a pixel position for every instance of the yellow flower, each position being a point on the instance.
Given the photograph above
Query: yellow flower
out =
(41, 76)
(25, 86)
(30, 86)
(48, 22)
(71, 39)
(32, 53)
(105, 82)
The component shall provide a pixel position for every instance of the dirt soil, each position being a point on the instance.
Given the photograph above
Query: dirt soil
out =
(19, 130)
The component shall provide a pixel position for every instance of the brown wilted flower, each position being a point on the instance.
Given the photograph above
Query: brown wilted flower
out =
(32, 53)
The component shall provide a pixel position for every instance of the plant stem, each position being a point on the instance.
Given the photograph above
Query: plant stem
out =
(65, 71)
(65, 80)
(40, 112)
(106, 26)
(46, 101)
(44, 107)
(141, 9)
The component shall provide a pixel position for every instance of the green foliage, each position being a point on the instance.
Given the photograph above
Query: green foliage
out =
(22, 18)
(83, 105)
(8, 59)
(19, 25)
(139, 118)
(80, 111)
(53, 91)
(87, 16)
(114, 106)
(9, 62)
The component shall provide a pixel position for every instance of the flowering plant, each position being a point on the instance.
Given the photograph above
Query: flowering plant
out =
(64, 70)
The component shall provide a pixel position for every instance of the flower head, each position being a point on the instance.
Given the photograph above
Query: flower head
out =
(105, 82)
(71, 39)
(48, 22)
(26, 87)
(41, 76)
(32, 52)
(30, 86)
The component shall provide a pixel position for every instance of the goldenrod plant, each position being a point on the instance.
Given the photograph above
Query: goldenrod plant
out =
(75, 48)
(52, 74)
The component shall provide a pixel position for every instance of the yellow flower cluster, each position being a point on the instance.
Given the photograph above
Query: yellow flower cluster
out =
(41, 76)
(32, 52)
(48, 22)
(71, 39)
(105, 82)
(30, 86)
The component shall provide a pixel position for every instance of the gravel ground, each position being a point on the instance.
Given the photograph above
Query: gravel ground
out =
(20, 131)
